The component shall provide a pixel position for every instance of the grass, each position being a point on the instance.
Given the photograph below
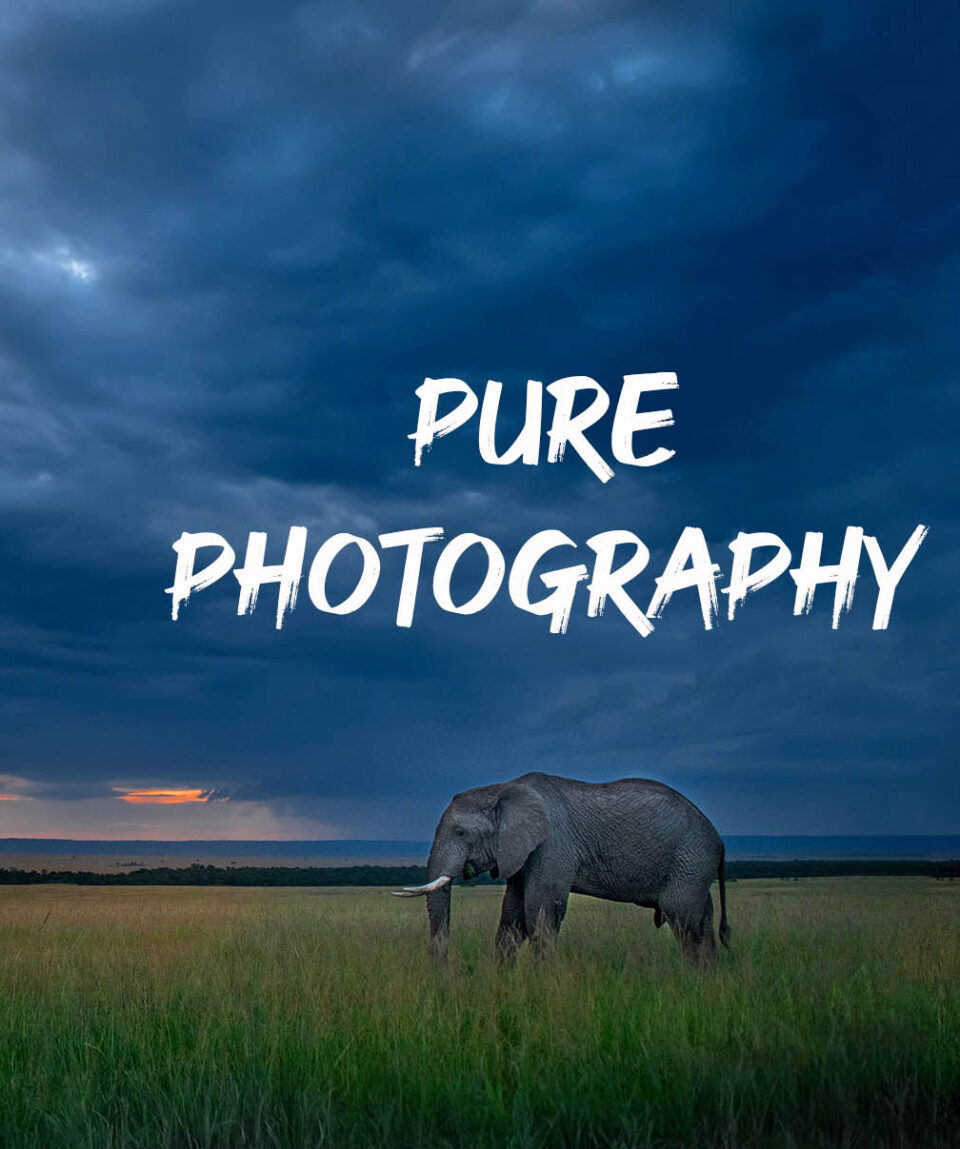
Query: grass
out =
(290, 1017)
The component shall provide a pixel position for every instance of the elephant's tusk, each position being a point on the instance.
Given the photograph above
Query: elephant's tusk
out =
(419, 891)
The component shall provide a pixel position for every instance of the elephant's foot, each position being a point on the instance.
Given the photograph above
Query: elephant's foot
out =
(700, 953)
(508, 943)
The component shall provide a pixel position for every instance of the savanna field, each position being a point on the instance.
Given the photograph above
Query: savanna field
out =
(314, 1017)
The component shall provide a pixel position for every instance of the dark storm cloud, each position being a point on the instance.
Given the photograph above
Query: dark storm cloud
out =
(235, 241)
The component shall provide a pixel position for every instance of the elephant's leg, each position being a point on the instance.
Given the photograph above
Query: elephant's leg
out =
(512, 930)
(544, 910)
(690, 914)
(708, 941)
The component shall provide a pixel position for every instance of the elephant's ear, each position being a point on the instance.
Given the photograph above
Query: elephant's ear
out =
(521, 827)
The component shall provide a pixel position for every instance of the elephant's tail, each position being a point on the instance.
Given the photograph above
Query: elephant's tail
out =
(724, 924)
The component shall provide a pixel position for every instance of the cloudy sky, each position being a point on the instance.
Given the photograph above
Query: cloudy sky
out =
(234, 239)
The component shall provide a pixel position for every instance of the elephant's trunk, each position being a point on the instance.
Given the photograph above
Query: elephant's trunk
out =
(446, 862)
(438, 910)
(440, 872)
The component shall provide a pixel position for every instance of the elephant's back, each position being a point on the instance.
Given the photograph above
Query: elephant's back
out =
(639, 835)
(641, 798)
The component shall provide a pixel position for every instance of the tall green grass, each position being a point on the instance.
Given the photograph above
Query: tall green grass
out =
(216, 1018)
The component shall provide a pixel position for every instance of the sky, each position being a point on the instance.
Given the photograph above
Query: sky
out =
(234, 240)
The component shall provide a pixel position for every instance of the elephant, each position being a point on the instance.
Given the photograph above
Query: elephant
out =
(633, 840)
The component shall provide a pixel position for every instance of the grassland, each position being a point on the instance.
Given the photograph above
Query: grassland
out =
(298, 1017)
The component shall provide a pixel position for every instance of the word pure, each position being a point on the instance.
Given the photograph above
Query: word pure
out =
(567, 429)
(545, 575)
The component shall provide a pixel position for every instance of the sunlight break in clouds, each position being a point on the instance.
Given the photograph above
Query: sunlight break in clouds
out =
(9, 797)
(167, 797)
(111, 817)
(65, 259)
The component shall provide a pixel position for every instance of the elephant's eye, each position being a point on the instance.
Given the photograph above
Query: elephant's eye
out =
(460, 832)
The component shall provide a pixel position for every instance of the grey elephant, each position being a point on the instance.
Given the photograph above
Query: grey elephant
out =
(633, 840)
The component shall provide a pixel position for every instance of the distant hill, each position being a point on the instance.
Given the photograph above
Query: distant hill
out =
(739, 846)
(207, 875)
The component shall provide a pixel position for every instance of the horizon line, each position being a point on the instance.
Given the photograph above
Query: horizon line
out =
(420, 841)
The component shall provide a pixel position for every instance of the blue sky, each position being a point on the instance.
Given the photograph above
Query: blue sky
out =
(235, 239)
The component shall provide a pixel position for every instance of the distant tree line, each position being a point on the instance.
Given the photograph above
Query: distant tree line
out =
(199, 875)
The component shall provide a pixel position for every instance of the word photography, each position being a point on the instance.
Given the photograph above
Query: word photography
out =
(544, 575)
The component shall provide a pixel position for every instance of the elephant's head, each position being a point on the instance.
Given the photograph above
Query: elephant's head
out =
(493, 829)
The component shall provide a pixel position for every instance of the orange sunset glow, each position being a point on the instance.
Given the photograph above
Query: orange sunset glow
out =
(9, 797)
(164, 797)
